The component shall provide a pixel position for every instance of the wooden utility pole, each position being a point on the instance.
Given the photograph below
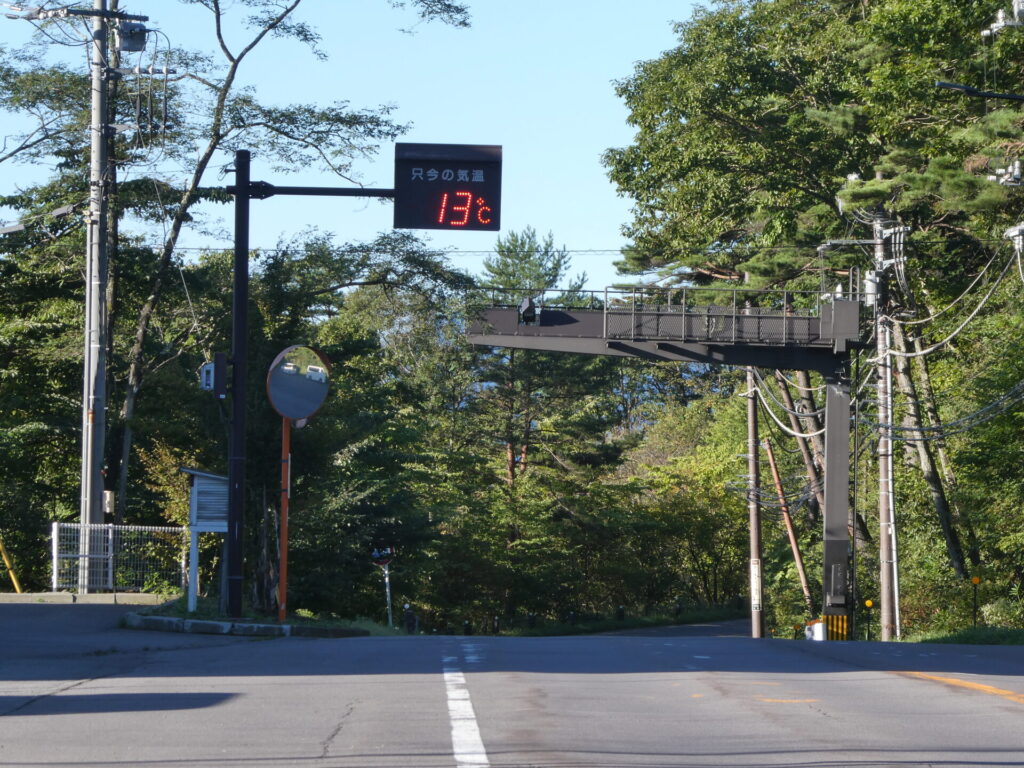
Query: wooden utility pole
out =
(788, 521)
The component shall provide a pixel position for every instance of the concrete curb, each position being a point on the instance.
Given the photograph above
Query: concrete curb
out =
(98, 598)
(172, 624)
(241, 628)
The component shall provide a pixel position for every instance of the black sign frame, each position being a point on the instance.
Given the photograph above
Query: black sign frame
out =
(452, 187)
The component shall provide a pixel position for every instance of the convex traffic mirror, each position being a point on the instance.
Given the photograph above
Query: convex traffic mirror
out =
(297, 382)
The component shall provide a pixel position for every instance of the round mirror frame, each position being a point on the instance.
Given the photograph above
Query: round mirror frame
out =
(297, 383)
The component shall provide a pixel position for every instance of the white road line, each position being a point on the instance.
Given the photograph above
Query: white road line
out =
(467, 746)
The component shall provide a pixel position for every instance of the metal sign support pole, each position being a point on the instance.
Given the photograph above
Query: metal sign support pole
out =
(244, 190)
(837, 581)
(286, 479)
(239, 366)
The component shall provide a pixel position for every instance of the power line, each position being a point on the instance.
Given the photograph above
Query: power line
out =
(986, 413)
(778, 402)
(964, 324)
(958, 299)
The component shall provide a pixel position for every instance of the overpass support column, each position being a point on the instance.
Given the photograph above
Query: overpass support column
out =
(837, 599)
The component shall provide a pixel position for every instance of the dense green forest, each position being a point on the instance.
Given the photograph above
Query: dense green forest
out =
(516, 482)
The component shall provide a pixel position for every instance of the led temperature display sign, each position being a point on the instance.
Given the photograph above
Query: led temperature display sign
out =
(448, 186)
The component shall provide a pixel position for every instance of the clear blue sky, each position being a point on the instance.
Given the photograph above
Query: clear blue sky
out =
(535, 76)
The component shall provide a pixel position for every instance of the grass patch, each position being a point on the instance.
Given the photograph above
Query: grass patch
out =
(547, 628)
(375, 629)
(972, 636)
(208, 609)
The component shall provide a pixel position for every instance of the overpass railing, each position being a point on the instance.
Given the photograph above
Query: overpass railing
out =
(712, 315)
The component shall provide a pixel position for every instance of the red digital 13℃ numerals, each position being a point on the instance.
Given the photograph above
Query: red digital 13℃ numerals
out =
(459, 209)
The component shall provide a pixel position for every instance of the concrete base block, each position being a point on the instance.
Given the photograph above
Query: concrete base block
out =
(259, 630)
(160, 623)
(201, 627)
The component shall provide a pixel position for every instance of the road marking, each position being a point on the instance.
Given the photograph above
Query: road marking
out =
(786, 701)
(467, 746)
(1017, 698)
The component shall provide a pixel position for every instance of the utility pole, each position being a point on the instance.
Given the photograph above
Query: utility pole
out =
(886, 507)
(94, 391)
(754, 509)
(94, 395)
(787, 520)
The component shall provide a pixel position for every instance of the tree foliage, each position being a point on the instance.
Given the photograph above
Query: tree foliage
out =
(518, 482)
(777, 126)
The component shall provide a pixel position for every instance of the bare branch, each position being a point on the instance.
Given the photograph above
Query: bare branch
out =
(218, 16)
(29, 144)
(270, 26)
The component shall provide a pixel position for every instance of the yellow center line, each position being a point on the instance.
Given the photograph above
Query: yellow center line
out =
(1017, 698)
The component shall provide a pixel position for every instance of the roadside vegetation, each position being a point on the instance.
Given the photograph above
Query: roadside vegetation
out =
(972, 636)
(514, 482)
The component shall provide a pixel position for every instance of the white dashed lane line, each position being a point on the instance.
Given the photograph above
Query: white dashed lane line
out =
(467, 746)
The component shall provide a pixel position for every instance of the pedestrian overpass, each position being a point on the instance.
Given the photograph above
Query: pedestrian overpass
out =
(767, 329)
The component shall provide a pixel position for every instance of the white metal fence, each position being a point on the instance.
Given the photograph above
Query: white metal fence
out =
(118, 558)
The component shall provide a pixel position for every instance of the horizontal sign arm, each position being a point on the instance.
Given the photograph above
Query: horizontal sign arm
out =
(262, 190)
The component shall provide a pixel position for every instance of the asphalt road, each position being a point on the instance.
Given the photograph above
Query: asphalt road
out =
(76, 691)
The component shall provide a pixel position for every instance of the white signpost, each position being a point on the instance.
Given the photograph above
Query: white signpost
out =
(208, 513)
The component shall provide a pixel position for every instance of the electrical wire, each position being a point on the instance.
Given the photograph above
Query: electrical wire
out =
(55, 41)
(191, 308)
(796, 386)
(958, 299)
(939, 432)
(782, 426)
(783, 406)
(61, 211)
(572, 251)
(964, 324)
(871, 373)
(778, 440)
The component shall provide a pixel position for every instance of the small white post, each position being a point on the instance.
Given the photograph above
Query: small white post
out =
(193, 569)
(387, 589)
(110, 558)
(56, 556)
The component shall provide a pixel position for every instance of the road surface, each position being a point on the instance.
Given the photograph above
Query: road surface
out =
(76, 691)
